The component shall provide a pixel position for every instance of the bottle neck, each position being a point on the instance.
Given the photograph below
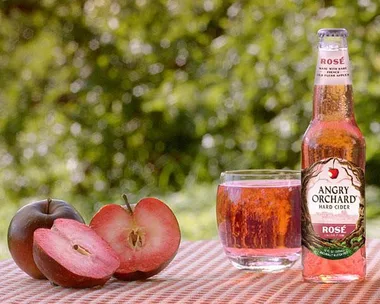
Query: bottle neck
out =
(333, 102)
(333, 85)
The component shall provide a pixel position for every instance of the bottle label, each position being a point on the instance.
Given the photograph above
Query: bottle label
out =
(333, 68)
(333, 208)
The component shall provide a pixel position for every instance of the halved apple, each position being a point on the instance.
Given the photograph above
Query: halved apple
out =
(146, 238)
(71, 254)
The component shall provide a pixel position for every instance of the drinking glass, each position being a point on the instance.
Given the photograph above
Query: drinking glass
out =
(258, 216)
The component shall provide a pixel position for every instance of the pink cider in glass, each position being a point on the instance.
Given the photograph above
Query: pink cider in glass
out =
(259, 217)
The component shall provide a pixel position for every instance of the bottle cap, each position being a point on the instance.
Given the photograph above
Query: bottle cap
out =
(332, 32)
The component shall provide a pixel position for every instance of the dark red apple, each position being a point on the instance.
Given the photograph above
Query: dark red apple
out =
(333, 173)
(146, 238)
(71, 254)
(40, 214)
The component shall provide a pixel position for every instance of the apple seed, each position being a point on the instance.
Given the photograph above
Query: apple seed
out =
(81, 250)
(136, 238)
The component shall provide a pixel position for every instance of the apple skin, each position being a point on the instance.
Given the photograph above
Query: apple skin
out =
(39, 214)
(141, 275)
(72, 255)
(156, 226)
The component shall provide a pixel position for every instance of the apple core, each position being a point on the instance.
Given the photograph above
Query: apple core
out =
(136, 238)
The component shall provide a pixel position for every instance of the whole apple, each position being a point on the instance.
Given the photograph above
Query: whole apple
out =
(40, 214)
(145, 237)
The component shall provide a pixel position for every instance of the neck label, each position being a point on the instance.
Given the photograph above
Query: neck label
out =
(333, 68)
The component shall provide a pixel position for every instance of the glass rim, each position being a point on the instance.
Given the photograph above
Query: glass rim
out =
(260, 173)
(256, 172)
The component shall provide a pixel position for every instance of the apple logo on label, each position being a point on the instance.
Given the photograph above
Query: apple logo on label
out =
(333, 173)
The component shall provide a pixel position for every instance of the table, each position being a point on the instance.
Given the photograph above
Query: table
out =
(200, 273)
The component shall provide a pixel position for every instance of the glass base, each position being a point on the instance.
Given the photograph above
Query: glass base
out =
(264, 264)
(334, 279)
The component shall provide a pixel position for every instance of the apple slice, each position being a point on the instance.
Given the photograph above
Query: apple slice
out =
(145, 238)
(71, 254)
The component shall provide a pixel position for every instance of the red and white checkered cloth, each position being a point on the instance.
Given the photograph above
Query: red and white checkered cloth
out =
(200, 273)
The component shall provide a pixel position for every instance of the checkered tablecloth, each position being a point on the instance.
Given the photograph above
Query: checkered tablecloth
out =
(200, 273)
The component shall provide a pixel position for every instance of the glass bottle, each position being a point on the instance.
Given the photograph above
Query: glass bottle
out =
(333, 164)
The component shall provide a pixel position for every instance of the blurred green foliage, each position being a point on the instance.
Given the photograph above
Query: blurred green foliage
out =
(101, 97)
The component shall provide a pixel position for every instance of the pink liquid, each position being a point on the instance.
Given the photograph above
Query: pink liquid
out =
(259, 217)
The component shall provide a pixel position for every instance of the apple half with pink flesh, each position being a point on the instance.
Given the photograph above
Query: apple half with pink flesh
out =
(145, 237)
(71, 254)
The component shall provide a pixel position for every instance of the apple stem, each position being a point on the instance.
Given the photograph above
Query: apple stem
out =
(49, 200)
(125, 198)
